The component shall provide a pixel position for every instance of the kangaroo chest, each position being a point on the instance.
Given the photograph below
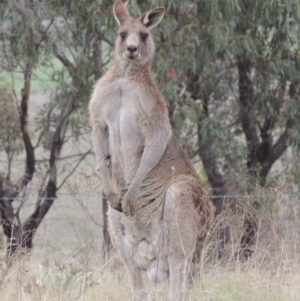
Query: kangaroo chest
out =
(122, 107)
(124, 116)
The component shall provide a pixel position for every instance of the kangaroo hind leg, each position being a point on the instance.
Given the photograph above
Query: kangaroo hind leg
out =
(181, 231)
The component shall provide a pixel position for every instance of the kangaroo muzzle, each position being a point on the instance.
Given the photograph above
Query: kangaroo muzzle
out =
(132, 51)
(132, 47)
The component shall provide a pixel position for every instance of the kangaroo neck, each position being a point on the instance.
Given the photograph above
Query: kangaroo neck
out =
(134, 70)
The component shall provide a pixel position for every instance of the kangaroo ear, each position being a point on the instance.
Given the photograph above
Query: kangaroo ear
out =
(152, 17)
(120, 12)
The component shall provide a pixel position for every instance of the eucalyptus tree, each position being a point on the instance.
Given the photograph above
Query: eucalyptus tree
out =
(43, 34)
(229, 71)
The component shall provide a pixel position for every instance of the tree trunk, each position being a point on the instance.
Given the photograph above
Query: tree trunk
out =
(107, 246)
(216, 180)
(219, 190)
(9, 220)
(246, 101)
(262, 154)
(21, 235)
(215, 177)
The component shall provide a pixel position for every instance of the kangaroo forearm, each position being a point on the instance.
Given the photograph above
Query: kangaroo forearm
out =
(104, 175)
(153, 152)
(150, 158)
(101, 147)
(104, 167)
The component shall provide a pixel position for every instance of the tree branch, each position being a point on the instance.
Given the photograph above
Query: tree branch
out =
(215, 178)
(9, 193)
(71, 69)
(282, 143)
(67, 157)
(45, 128)
(30, 158)
(277, 150)
(46, 196)
(74, 168)
(246, 98)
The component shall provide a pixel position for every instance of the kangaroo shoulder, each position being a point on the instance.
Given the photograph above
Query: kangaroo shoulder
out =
(153, 99)
(102, 89)
(104, 86)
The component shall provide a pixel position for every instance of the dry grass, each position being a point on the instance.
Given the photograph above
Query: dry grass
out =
(56, 272)
(48, 279)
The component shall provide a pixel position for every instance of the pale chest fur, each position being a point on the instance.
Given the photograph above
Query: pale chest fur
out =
(121, 111)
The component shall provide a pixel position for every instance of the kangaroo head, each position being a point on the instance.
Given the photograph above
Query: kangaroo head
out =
(134, 42)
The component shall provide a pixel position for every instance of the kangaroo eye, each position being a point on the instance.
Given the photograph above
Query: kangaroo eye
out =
(144, 36)
(123, 35)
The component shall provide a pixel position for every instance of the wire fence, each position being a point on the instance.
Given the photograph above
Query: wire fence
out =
(237, 196)
(89, 205)
(72, 220)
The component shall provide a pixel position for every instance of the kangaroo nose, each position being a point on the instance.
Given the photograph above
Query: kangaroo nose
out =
(132, 49)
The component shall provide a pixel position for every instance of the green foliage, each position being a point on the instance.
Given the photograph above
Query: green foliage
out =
(203, 41)
(198, 47)
(10, 135)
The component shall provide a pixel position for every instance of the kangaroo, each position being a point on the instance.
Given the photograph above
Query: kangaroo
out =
(159, 214)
